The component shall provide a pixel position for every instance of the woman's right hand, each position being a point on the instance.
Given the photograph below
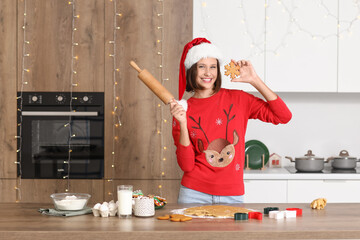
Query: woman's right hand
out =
(177, 111)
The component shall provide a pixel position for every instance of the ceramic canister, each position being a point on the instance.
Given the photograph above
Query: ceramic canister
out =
(144, 207)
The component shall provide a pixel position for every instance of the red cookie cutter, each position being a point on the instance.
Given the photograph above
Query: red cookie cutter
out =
(298, 211)
(255, 215)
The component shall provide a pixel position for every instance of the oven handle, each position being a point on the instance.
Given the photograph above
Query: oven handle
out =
(50, 113)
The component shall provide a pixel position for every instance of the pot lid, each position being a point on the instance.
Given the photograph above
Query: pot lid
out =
(309, 156)
(344, 155)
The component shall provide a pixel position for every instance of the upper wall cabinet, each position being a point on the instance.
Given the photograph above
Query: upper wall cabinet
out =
(294, 45)
(301, 46)
(60, 47)
(349, 47)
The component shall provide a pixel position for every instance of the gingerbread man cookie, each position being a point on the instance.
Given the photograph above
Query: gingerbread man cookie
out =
(232, 69)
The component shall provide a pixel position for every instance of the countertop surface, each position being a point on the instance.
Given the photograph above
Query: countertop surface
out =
(285, 174)
(336, 221)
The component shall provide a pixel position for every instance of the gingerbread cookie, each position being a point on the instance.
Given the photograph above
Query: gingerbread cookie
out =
(179, 218)
(319, 203)
(175, 218)
(232, 69)
(165, 217)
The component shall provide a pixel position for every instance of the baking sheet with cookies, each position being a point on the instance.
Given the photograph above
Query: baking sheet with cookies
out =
(212, 211)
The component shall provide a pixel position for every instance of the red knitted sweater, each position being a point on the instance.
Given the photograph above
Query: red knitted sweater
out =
(214, 161)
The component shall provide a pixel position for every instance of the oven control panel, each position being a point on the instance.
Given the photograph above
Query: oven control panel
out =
(62, 98)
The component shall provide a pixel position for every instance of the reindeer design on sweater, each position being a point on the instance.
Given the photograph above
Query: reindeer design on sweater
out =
(220, 152)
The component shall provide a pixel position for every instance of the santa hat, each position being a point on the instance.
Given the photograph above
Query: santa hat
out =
(195, 50)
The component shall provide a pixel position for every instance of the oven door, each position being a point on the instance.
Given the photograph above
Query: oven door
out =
(49, 142)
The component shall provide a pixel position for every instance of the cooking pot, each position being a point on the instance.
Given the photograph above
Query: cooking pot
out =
(308, 163)
(343, 161)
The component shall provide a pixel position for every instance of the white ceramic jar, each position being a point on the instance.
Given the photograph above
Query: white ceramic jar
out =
(144, 207)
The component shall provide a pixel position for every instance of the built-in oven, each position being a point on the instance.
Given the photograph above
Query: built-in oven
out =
(61, 135)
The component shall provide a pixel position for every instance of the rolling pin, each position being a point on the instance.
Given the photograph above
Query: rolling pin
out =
(153, 84)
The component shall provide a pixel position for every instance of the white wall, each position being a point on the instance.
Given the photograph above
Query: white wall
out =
(326, 123)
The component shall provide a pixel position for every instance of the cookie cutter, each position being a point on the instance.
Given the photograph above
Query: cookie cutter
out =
(298, 211)
(290, 213)
(276, 214)
(255, 215)
(268, 209)
(241, 216)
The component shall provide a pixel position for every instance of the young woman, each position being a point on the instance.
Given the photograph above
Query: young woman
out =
(210, 135)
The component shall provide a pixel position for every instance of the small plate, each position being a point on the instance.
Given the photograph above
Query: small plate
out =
(255, 149)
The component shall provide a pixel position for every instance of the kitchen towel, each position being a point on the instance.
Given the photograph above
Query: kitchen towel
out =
(59, 213)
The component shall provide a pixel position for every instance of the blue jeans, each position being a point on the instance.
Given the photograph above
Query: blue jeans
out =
(187, 195)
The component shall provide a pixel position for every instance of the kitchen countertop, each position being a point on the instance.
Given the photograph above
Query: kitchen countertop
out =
(23, 221)
(284, 174)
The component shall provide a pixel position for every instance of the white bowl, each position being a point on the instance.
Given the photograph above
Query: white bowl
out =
(70, 201)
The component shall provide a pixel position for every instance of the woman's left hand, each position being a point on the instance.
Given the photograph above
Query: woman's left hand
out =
(248, 75)
(247, 72)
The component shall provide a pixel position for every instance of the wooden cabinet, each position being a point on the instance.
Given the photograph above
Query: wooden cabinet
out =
(7, 93)
(55, 50)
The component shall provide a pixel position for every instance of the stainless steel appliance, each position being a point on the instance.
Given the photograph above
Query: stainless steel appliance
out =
(52, 124)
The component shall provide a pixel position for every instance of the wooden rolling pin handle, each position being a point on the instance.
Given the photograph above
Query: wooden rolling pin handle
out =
(135, 66)
(154, 85)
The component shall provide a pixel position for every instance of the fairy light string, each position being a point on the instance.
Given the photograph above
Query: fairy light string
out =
(20, 99)
(115, 110)
(258, 45)
(72, 86)
(163, 121)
